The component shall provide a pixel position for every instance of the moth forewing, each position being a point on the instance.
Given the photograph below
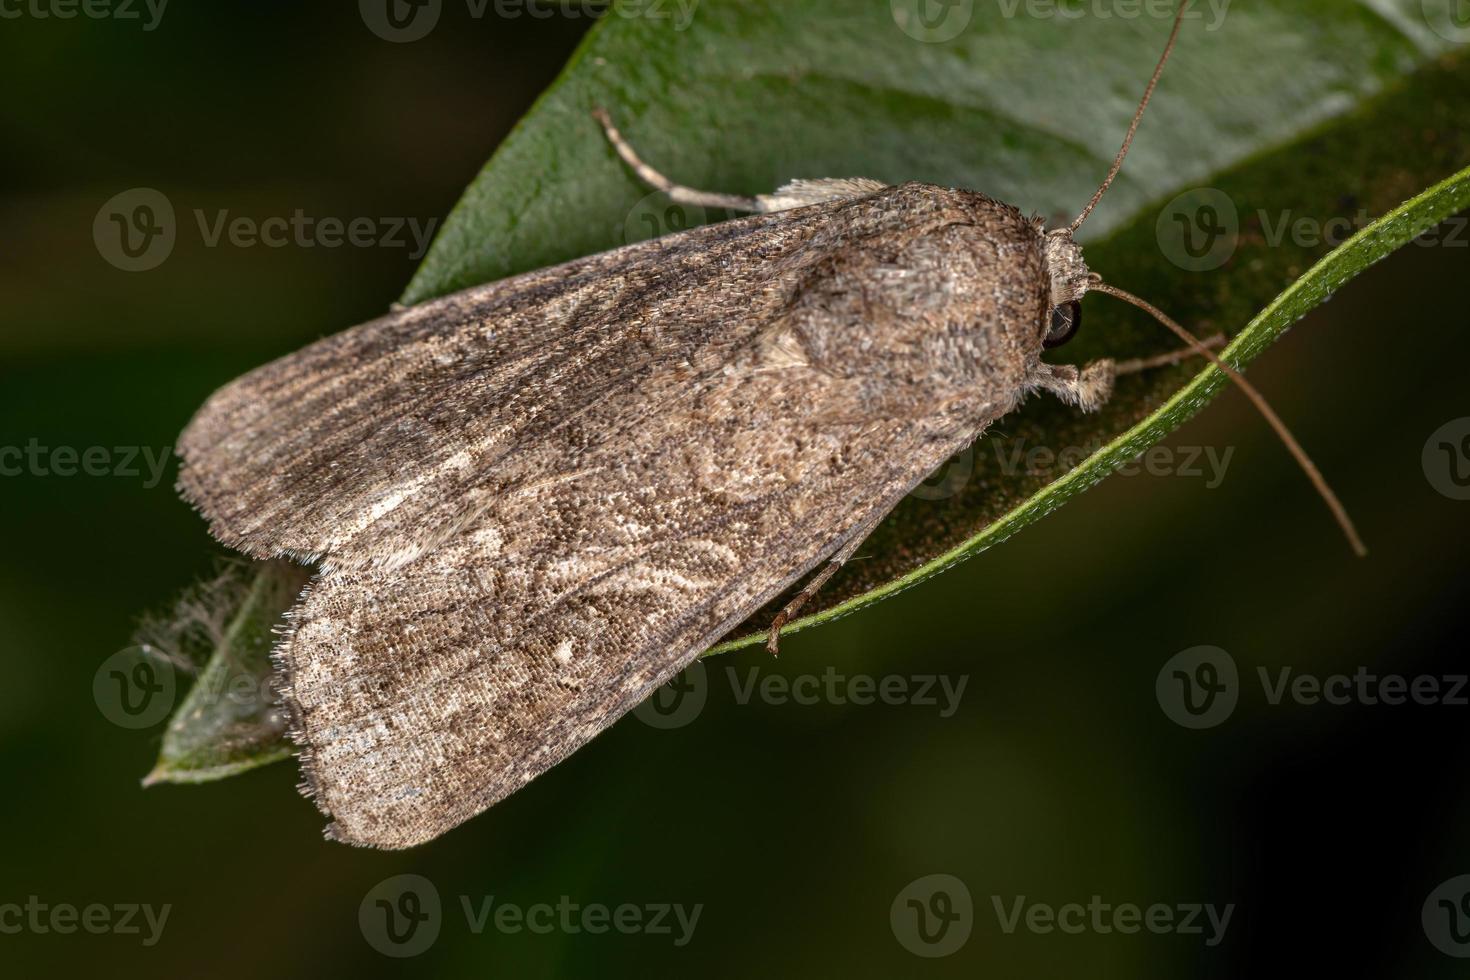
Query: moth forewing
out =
(423, 694)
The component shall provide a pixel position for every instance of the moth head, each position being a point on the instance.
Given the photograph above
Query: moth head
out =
(1070, 279)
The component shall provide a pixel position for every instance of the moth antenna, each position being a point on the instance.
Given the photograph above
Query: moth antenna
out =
(1148, 93)
(1259, 400)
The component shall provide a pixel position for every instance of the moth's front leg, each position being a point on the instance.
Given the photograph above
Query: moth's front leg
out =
(1090, 387)
(1087, 389)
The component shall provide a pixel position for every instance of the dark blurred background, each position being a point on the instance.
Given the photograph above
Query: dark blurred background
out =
(796, 827)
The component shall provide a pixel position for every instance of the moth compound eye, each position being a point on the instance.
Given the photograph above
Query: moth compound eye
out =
(1065, 322)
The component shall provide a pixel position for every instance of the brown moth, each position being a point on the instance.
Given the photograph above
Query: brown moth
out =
(535, 501)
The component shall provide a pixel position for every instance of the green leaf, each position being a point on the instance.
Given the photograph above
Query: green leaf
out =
(1027, 109)
(231, 720)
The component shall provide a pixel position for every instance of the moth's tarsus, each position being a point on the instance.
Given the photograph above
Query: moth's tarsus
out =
(1303, 460)
(833, 566)
(773, 640)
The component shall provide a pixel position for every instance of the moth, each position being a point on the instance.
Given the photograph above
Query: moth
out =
(533, 502)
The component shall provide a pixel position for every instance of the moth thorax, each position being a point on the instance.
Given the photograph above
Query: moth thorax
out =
(1069, 275)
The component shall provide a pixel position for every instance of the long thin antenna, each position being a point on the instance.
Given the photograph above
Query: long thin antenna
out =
(1303, 460)
(1148, 93)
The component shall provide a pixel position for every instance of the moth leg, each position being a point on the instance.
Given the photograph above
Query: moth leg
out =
(773, 640)
(1088, 388)
(794, 194)
(677, 192)
(1166, 360)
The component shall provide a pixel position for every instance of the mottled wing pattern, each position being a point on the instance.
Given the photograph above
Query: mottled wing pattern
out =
(542, 501)
(421, 698)
(370, 447)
